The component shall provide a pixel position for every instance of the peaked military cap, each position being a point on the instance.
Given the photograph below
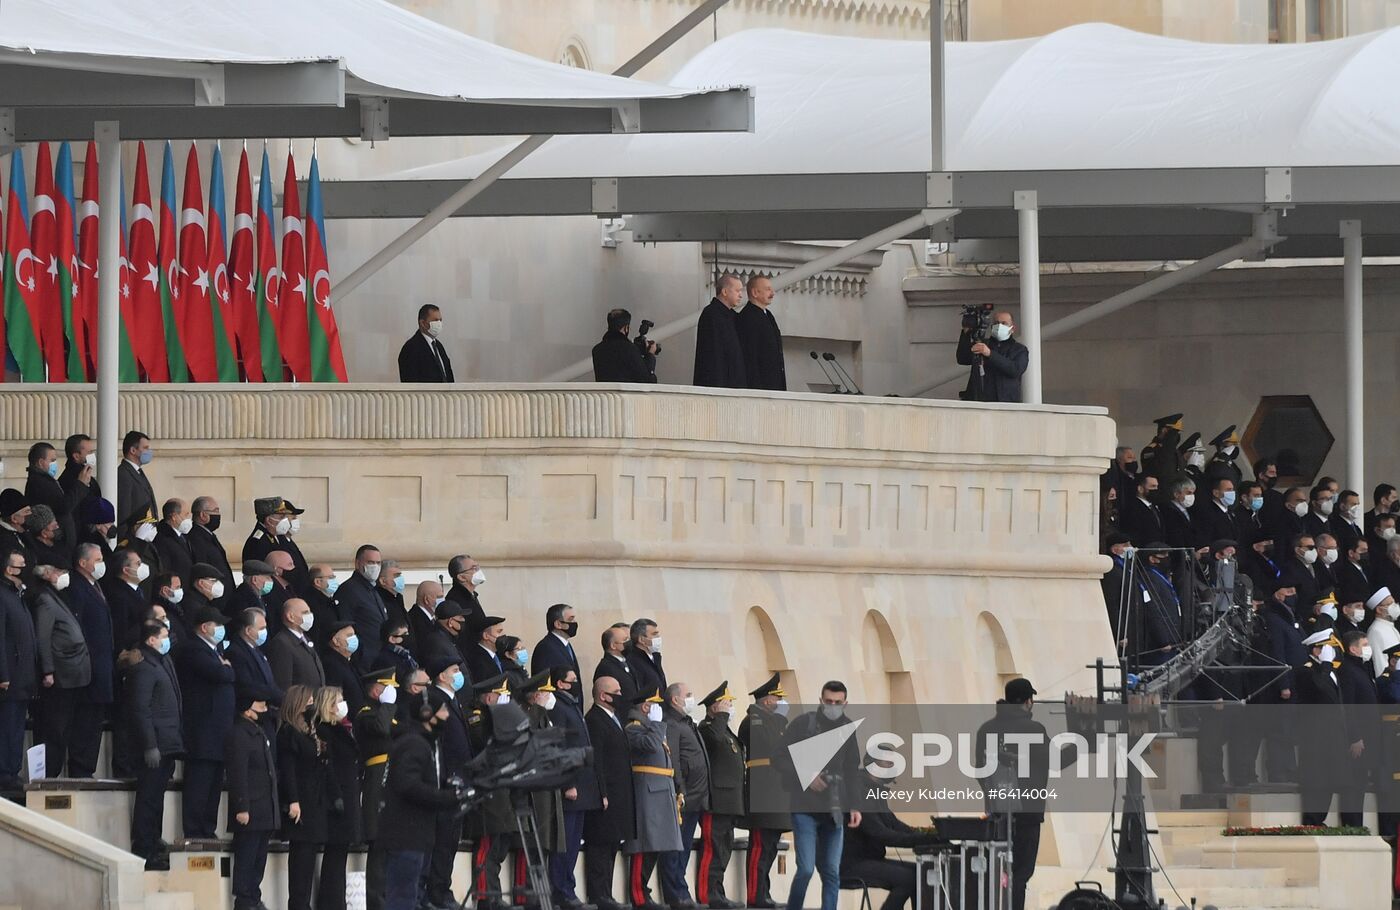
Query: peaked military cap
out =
(720, 693)
(1171, 420)
(773, 686)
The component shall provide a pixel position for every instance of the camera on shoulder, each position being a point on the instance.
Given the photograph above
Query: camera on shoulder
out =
(977, 321)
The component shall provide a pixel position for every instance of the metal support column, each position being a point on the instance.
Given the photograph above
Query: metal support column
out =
(1352, 307)
(1028, 227)
(109, 195)
(937, 95)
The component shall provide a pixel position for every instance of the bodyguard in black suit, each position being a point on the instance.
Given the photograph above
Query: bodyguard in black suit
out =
(719, 359)
(422, 357)
(253, 810)
(761, 339)
(153, 713)
(1353, 574)
(604, 829)
(207, 683)
(617, 359)
(556, 649)
(135, 497)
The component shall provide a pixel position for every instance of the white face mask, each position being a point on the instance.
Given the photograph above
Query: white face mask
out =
(307, 621)
(1330, 610)
(176, 595)
(283, 526)
(61, 582)
(656, 645)
(689, 703)
(1001, 331)
(1196, 459)
(1328, 654)
(146, 531)
(1189, 500)
(653, 712)
(1356, 615)
(99, 570)
(91, 460)
(782, 708)
(371, 572)
(186, 525)
(143, 572)
(1354, 513)
(549, 701)
(1329, 556)
(435, 327)
(1387, 533)
(1301, 509)
(1392, 612)
(1310, 556)
(833, 712)
(504, 699)
(341, 710)
(1366, 652)
(216, 590)
(389, 696)
(478, 578)
(1325, 507)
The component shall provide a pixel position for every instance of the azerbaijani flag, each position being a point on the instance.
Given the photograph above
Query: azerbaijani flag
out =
(85, 296)
(192, 300)
(291, 301)
(67, 261)
(169, 276)
(21, 288)
(327, 361)
(269, 280)
(43, 233)
(225, 356)
(149, 332)
(243, 276)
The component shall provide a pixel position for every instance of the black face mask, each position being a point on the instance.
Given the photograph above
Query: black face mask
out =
(1268, 482)
(570, 628)
(1290, 601)
(434, 729)
(1130, 467)
(213, 524)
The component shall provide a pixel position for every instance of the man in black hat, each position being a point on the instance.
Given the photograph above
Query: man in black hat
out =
(207, 683)
(1193, 456)
(537, 698)
(480, 654)
(337, 659)
(492, 825)
(204, 588)
(761, 733)
(1014, 717)
(257, 583)
(692, 783)
(605, 828)
(278, 520)
(14, 509)
(726, 798)
(253, 810)
(1160, 457)
(374, 734)
(454, 751)
(653, 795)
(1223, 463)
(443, 638)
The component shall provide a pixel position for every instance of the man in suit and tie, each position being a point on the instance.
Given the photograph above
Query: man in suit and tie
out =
(644, 656)
(422, 357)
(250, 665)
(1141, 518)
(356, 598)
(135, 497)
(466, 578)
(556, 649)
(454, 751)
(292, 655)
(761, 339)
(206, 681)
(89, 604)
(482, 660)
(173, 546)
(1354, 575)
(605, 828)
(205, 545)
(614, 663)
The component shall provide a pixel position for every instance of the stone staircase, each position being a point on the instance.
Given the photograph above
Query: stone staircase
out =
(1188, 869)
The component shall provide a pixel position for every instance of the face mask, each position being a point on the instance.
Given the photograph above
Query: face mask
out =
(1189, 500)
(522, 655)
(352, 644)
(283, 526)
(1310, 556)
(690, 703)
(1356, 616)
(1366, 652)
(112, 537)
(1387, 533)
(1300, 509)
(213, 524)
(1256, 503)
(1001, 332)
(332, 585)
(1330, 610)
(1354, 513)
(458, 681)
(146, 531)
(185, 526)
(143, 572)
(435, 328)
(262, 637)
(1130, 467)
(341, 710)
(53, 469)
(833, 712)
(177, 595)
(1329, 557)
(164, 646)
(219, 634)
(656, 645)
(1325, 507)
(549, 701)
(146, 456)
(782, 708)
(1392, 612)
(307, 621)
(1228, 499)
(1232, 451)
(1361, 557)
(296, 524)
(371, 572)
(653, 713)
(1328, 654)
(99, 570)
(389, 696)
(398, 585)
(266, 587)
(1127, 552)
(91, 460)
(1291, 601)
(1196, 459)
(478, 578)
(61, 582)
(216, 590)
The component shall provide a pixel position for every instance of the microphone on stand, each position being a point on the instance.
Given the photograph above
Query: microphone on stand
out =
(837, 386)
(842, 370)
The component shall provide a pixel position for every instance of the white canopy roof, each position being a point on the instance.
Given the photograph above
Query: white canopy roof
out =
(128, 54)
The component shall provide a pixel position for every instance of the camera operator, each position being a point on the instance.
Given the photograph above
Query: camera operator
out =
(413, 799)
(1014, 715)
(619, 359)
(997, 359)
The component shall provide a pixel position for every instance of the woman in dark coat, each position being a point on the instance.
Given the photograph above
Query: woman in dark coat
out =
(303, 771)
(343, 820)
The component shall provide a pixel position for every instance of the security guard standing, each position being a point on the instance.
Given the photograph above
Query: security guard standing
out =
(374, 734)
(726, 799)
(761, 734)
(653, 796)
(1160, 457)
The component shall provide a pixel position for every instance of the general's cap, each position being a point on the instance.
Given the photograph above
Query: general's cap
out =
(1226, 437)
(1171, 420)
(498, 683)
(720, 693)
(648, 696)
(1322, 637)
(773, 686)
(1192, 443)
(538, 683)
(385, 676)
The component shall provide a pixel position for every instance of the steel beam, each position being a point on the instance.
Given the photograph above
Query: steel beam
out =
(1352, 307)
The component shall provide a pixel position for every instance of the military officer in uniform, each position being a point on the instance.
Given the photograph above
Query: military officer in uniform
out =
(761, 734)
(374, 734)
(491, 825)
(653, 796)
(1322, 742)
(277, 521)
(1160, 458)
(1193, 457)
(726, 799)
(536, 696)
(1222, 463)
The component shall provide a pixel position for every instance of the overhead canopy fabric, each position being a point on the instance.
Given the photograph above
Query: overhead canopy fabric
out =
(385, 49)
(1090, 97)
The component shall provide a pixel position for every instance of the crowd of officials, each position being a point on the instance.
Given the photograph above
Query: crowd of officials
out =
(336, 714)
(1318, 570)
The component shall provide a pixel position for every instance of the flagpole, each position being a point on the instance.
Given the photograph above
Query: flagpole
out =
(109, 194)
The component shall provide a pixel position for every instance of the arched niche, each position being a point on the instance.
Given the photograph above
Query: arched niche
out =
(765, 654)
(887, 676)
(990, 676)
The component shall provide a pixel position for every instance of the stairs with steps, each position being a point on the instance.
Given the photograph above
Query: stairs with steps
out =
(1180, 851)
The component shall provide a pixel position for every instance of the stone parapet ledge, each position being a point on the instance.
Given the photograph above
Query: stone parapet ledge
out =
(1350, 873)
